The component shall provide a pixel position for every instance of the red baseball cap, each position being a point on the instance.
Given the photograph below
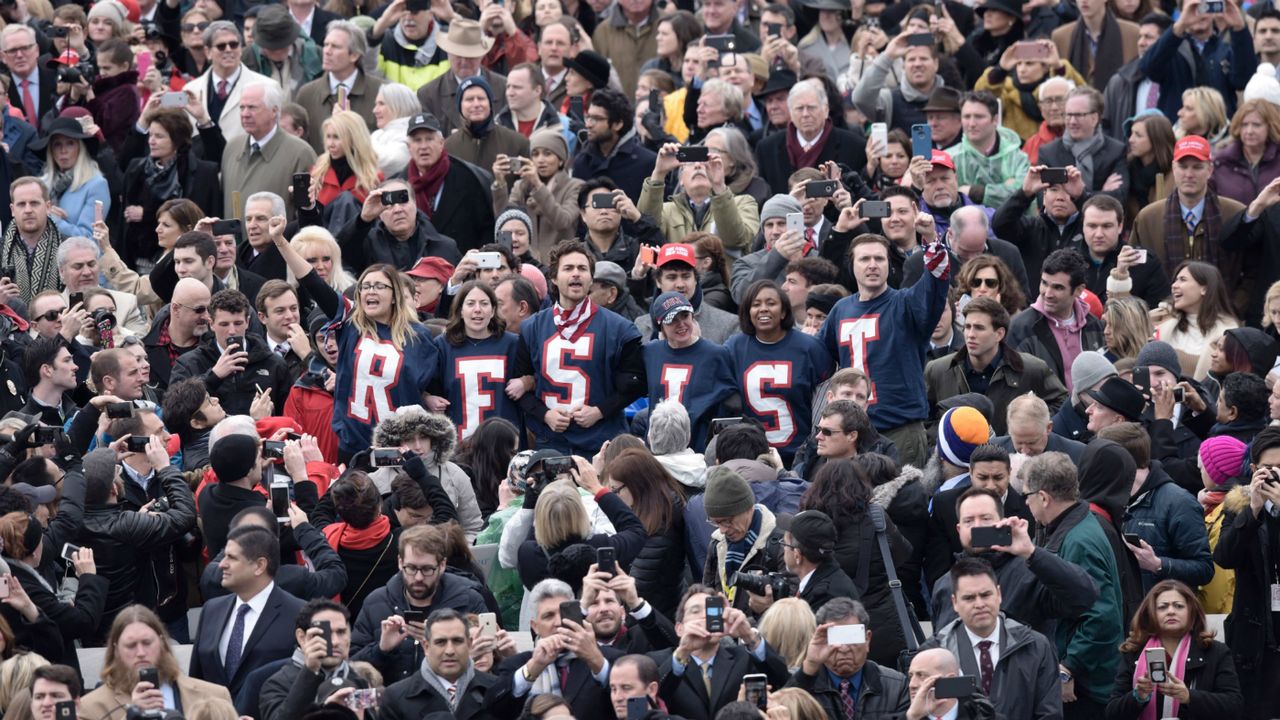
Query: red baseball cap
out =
(1192, 146)
(433, 268)
(943, 159)
(677, 252)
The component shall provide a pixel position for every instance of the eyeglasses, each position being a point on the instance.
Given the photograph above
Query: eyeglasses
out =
(1054, 101)
(20, 49)
(593, 119)
(425, 571)
(722, 523)
(828, 432)
(201, 310)
(228, 45)
(193, 27)
(993, 283)
(1079, 116)
(374, 286)
(49, 316)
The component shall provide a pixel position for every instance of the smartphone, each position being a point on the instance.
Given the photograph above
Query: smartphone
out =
(571, 610)
(149, 675)
(280, 500)
(693, 153)
(606, 560)
(960, 686)
(173, 100)
(1142, 380)
(1054, 176)
(506, 240)
(1142, 256)
(720, 423)
(880, 134)
(137, 443)
(1156, 657)
(296, 437)
(273, 449)
(715, 614)
(554, 467)
(119, 410)
(414, 616)
(576, 108)
(75, 298)
(68, 550)
(417, 5)
(1179, 394)
(65, 710)
(97, 211)
(648, 255)
(363, 699)
(920, 40)
(922, 141)
(757, 689)
(821, 188)
(1133, 539)
(1030, 50)
(488, 624)
(326, 632)
(723, 43)
(46, 435)
(301, 190)
(795, 222)
(985, 537)
(395, 197)
(4, 586)
(875, 209)
(602, 201)
(240, 341)
(488, 260)
(389, 457)
(773, 30)
(225, 227)
(1212, 7)
(143, 61)
(847, 635)
(637, 707)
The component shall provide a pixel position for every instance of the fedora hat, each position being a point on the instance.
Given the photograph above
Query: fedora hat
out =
(592, 66)
(780, 80)
(465, 39)
(275, 28)
(944, 99)
(1012, 8)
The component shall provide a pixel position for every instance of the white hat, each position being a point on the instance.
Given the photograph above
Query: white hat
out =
(1263, 85)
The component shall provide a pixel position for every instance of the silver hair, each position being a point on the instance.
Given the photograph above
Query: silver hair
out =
(220, 26)
(958, 217)
(14, 28)
(400, 99)
(730, 96)
(804, 86)
(669, 429)
(357, 42)
(77, 243)
(233, 425)
(842, 608)
(1055, 80)
(272, 95)
(739, 150)
(550, 588)
(1053, 473)
(277, 202)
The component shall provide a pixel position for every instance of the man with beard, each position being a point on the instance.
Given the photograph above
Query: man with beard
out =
(1037, 588)
(390, 631)
(620, 618)
(323, 632)
(810, 139)
(612, 148)
(177, 328)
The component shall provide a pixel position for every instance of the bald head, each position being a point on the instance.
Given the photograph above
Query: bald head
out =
(937, 661)
(189, 311)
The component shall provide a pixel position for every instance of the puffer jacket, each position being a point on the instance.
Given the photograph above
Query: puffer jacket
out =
(764, 556)
(1217, 594)
(991, 178)
(120, 537)
(1025, 682)
(653, 567)
(883, 695)
(1172, 522)
(735, 218)
(444, 440)
(906, 499)
(1234, 178)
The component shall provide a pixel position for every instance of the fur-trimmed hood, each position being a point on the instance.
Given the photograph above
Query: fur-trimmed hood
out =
(883, 495)
(414, 420)
(1237, 501)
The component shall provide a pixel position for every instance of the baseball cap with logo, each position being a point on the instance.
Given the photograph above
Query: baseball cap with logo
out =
(1192, 146)
(677, 252)
(943, 159)
(668, 305)
(424, 121)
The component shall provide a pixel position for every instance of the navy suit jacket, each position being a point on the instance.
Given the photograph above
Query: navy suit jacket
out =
(271, 639)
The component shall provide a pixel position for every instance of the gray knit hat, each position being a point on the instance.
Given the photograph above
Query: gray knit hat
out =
(552, 141)
(1159, 354)
(512, 213)
(1088, 369)
(727, 493)
(778, 206)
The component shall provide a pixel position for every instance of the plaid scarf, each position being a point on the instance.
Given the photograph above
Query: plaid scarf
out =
(165, 341)
(735, 553)
(35, 276)
(1204, 241)
(572, 323)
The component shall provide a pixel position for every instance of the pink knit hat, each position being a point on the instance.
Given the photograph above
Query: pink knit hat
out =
(1223, 458)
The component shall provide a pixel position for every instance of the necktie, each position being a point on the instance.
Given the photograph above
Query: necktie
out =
(282, 349)
(254, 149)
(706, 678)
(564, 677)
(222, 90)
(846, 699)
(1191, 223)
(809, 238)
(985, 666)
(453, 695)
(29, 104)
(235, 645)
(1153, 95)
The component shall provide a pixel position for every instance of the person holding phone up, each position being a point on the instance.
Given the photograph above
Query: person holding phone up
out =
(705, 202)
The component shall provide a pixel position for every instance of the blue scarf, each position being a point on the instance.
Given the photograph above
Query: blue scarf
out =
(736, 552)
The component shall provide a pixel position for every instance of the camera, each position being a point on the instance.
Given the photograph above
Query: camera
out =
(60, 31)
(780, 583)
(161, 505)
(103, 318)
(273, 449)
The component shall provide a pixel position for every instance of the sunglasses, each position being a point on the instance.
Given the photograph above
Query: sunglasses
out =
(193, 27)
(49, 316)
(228, 45)
(993, 283)
(828, 432)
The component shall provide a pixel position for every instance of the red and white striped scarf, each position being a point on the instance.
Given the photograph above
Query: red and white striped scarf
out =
(572, 323)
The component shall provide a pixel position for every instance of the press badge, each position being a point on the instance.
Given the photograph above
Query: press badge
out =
(1275, 597)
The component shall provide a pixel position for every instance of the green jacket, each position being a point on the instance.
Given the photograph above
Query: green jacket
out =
(991, 179)
(304, 64)
(1089, 646)
(735, 217)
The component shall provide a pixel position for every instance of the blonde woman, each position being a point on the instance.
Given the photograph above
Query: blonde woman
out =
(16, 675)
(75, 183)
(348, 163)
(799, 703)
(1127, 327)
(787, 626)
(1203, 113)
(318, 247)
(393, 107)
(137, 640)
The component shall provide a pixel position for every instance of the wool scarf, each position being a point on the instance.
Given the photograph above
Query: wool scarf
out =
(1109, 58)
(42, 272)
(572, 323)
(801, 158)
(735, 553)
(1178, 667)
(422, 53)
(162, 180)
(426, 187)
(1084, 151)
(1175, 231)
(437, 683)
(341, 535)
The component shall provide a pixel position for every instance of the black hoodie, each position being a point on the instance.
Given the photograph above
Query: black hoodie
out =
(1107, 472)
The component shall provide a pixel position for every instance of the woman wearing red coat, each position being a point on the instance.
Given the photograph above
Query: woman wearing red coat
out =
(348, 164)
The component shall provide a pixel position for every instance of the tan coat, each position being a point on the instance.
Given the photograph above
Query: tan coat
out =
(107, 704)
(553, 206)
(123, 278)
(483, 151)
(626, 46)
(736, 217)
(1129, 40)
(440, 98)
(316, 99)
(271, 170)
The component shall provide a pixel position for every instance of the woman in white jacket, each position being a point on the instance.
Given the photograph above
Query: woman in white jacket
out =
(392, 109)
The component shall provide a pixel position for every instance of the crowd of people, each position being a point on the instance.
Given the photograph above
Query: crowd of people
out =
(640, 359)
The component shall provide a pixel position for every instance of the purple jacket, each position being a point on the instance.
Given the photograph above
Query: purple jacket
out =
(1233, 178)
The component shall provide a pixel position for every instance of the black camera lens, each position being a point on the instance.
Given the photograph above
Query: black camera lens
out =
(103, 317)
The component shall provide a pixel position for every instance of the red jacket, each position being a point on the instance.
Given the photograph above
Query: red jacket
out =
(312, 408)
(1043, 137)
(330, 188)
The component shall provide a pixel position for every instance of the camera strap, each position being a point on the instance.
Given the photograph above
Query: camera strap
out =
(911, 632)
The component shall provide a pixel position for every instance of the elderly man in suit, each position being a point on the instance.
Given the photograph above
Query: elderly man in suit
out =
(466, 45)
(264, 159)
(221, 87)
(32, 86)
(343, 80)
(253, 625)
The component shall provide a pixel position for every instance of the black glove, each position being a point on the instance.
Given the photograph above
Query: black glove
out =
(362, 460)
(65, 454)
(532, 490)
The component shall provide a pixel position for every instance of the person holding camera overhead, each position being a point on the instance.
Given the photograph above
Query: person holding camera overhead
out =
(705, 202)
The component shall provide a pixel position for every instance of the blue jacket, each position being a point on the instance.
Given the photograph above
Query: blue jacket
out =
(627, 165)
(18, 135)
(1171, 520)
(1174, 63)
(78, 205)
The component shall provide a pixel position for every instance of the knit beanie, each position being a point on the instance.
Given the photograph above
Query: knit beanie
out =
(1263, 85)
(1223, 458)
(475, 81)
(1158, 353)
(233, 456)
(1088, 369)
(552, 141)
(778, 206)
(727, 494)
(960, 431)
(111, 10)
(513, 213)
